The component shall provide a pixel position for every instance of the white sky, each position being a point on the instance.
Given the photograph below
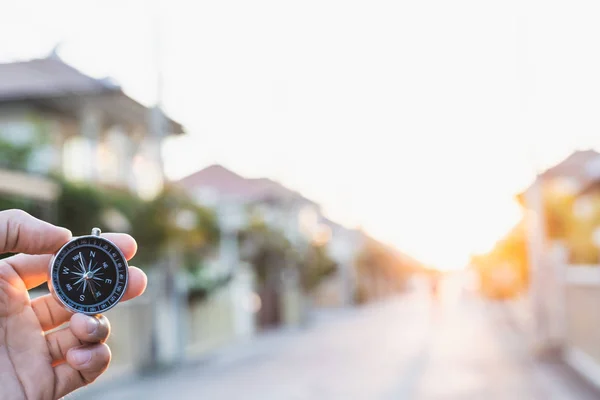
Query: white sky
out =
(417, 119)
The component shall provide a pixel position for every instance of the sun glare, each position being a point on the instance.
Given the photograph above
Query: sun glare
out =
(457, 233)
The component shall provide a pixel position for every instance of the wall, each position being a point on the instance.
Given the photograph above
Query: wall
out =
(582, 320)
(211, 324)
(223, 317)
(344, 248)
(293, 303)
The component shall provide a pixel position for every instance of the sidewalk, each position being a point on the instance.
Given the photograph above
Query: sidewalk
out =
(235, 354)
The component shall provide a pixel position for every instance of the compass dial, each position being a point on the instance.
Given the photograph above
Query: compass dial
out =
(89, 275)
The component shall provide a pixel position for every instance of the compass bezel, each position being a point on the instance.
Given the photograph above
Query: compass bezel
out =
(58, 292)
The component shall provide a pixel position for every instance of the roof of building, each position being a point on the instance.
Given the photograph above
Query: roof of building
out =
(216, 176)
(230, 184)
(582, 166)
(52, 82)
(572, 166)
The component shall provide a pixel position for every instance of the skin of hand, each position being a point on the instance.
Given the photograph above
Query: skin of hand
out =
(38, 361)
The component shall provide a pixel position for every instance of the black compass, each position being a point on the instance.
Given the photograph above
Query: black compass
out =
(88, 274)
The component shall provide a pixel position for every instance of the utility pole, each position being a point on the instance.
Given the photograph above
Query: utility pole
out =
(534, 196)
(158, 118)
(169, 339)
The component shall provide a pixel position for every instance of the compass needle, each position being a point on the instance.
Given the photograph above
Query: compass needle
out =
(82, 262)
(96, 270)
(93, 291)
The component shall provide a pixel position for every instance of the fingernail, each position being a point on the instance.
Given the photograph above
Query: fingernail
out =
(92, 324)
(66, 232)
(81, 357)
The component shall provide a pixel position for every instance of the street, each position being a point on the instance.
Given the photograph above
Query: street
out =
(403, 348)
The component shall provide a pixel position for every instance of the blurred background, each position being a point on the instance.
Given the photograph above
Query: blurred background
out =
(332, 199)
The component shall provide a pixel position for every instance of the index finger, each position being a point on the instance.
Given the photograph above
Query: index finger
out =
(33, 269)
(23, 233)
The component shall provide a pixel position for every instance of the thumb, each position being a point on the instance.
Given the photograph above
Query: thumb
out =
(22, 233)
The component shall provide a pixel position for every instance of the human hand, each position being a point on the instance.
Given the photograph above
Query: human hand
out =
(35, 364)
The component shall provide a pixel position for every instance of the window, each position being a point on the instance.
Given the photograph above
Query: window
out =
(207, 196)
(77, 160)
(17, 132)
(566, 185)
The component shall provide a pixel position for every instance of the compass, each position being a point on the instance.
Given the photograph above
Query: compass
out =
(88, 274)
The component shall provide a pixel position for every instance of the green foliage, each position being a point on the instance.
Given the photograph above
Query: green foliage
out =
(271, 253)
(79, 207)
(316, 267)
(16, 156)
(10, 202)
(200, 285)
(155, 224)
(152, 223)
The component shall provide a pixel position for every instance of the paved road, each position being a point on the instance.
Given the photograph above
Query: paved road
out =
(399, 349)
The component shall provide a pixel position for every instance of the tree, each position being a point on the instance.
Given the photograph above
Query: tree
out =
(381, 270)
(267, 250)
(154, 223)
(504, 271)
(271, 254)
(316, 266)
(273, 257)
(17, 154)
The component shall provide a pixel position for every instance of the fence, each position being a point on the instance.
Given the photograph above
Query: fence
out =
(567, 311)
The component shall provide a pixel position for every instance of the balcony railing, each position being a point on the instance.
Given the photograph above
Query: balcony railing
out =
(23, 184)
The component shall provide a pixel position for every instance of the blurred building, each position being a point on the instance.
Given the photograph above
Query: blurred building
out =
(561, 217)
(278, 206)
(81, 127)
(239, 201)
(56, 122)
(556, 199)
(570, 175)
(344, 246)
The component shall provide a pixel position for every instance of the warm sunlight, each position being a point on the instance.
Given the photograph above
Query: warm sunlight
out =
(320, 196)
(448, 243)
(430, 174)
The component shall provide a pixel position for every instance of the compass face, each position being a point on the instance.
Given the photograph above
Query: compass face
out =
(89, 275)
